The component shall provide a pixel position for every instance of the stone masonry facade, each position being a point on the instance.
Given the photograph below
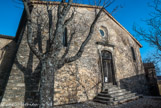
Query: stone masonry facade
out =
(80, 80)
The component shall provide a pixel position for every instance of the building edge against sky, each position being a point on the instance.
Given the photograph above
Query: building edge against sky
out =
(82, 77)
(126, 16)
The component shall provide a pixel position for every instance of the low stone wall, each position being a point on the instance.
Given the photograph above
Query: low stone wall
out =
(137, 84)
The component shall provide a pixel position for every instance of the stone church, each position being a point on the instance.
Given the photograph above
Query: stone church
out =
(111, 60)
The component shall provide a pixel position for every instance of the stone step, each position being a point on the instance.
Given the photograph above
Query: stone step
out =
(111, 89)
(100, 101)
(109, 85)
(103, 102)
(103, 95)
(128, 95)
(114, 91)
(114, 102)
(125, 100)
(104, 98)
(119, 93)
(115, 95)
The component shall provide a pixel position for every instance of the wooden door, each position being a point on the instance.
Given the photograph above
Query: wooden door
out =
(107, 67)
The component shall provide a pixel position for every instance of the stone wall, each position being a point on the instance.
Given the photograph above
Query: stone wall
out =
(80, 80)
(151, 79)
(7, 54)
(129, 73)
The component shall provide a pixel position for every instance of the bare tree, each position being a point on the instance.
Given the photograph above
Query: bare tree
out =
(50, 59)
(152, 35)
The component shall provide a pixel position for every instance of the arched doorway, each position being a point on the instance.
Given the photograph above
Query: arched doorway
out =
(107, 67)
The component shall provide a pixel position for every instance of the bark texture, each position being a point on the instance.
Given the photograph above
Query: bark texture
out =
(47, 84)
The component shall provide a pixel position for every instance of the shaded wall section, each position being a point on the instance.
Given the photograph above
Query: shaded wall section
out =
(7, 55)
(151, 78)
(137, 84)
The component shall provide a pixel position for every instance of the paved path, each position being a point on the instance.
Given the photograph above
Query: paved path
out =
(146, 102)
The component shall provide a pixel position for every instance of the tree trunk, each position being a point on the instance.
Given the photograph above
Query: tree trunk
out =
(47, 84)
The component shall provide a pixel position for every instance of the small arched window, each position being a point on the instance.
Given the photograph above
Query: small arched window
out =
(102, 33)
(65, 37)
(133, 53)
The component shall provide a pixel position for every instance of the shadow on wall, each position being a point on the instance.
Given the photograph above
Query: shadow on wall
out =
(7, 56)
(75, 87)
(140, 84)
(31, 77)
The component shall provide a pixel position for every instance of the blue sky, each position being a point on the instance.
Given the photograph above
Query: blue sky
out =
(10, 16)
(133, 11)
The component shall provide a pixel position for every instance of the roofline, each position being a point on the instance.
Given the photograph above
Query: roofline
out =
(7, 37)
(73, 4)
(90, 6)
(122, 27)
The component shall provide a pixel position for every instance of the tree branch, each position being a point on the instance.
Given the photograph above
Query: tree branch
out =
(61, 14)
(69, 19)
(79, 53)
(50, 25)
(20, 66)
(67, 8)
(30, 33)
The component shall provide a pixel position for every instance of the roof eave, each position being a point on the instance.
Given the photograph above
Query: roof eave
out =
(91, 6)
(122, 27)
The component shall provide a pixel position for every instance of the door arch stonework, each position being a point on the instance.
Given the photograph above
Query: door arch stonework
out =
(110, 49)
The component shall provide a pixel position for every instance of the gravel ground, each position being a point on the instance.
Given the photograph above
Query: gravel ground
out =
(146, 102)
